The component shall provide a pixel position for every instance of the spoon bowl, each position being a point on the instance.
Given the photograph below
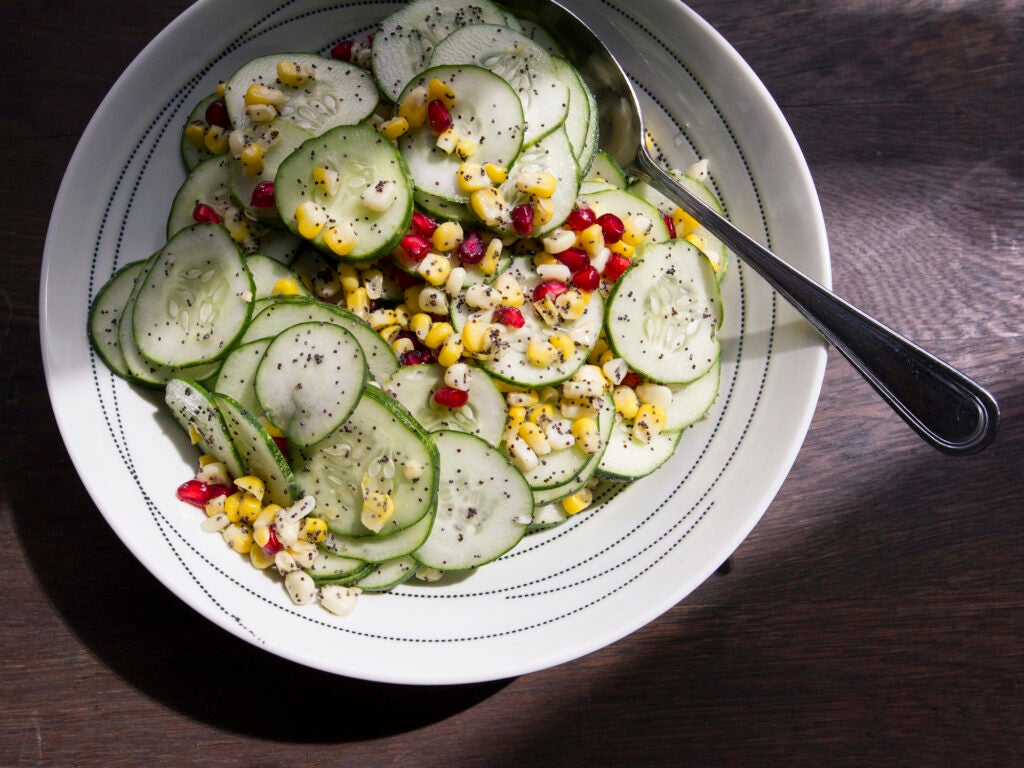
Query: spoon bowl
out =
(945, 407)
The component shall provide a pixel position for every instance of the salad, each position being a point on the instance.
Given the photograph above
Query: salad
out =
(407, 310)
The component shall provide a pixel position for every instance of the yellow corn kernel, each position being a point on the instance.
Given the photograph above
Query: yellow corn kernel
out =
(496, 173)
(252, 159)
(401, 345)
(522, 398)
(516, 417)
(543, 211)
(378, 507)
(260, 559)
(451, 350)
(537, 183)
(261, 113)
(390, 332)
(395, 127)
(623, 249)
(358, 302)
(591, 240)
(697, 241)
(626, 402)
(294, 74)
(261, 535)
(314, 529)
(216, 140)
(511, 291)
(437, 89)
(684, 222)
(231, 504)
(221, 86)
(448, 140)
(311, 219)
(434, 268)
(381, 318)
(475, 336)
(215, 506)
(466, 148)
(572, 304)
(447, 236)
(285, 286)
(341, 238)
(565, 345)
(257, 93)
(437, 335)
(205, 459)
(581, 426)
(326, 180)
(420, 324)
(636, 227)
(578, 501)
(402, 316)
(251, 484)
(249, 508)
(649, 421)
(349, 277)
(413, 107)
(194, 435)
(534, 437)
(238, 537)
(492, 257)
(541, 352)
(470, 177)
(266, 516)
(490, 207)
(195, 132)
(588, 438)
(542, 412)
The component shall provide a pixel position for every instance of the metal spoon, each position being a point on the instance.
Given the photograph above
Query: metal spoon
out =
(945, 407)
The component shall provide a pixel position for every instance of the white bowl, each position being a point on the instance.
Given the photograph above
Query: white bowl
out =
(562, 593)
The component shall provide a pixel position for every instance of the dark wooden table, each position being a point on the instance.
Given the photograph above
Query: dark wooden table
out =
(874, 617)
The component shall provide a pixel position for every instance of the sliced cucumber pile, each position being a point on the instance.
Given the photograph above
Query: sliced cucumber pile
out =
(406, 308)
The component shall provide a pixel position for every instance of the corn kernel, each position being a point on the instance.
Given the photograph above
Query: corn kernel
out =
(457, 376)
(511, 291)
(649, 421)
(420, 324)
(373, 281)
(231, 504)
(326, 180)
(522, 398)
(390, 332)
(294, 74)
(655, 394)
(543, 211)
(249, 507)
(572, 304)
(588, 438)
(534, 437)
(684, 222)
(261, 535)
(358, 302)
(516, 417)
(466, 148)
(401, 345)
(542, 412)
(261, 113)
(379, 196)
(456, 280)
(560, 240)
(447, 236)
(252, 159)
(578, 501)
(492, 257)
(349, 277)
(395, 127)
(216, 140)
(221, 87)
(451, 350)
(559, 433)
(482, 296)
(314, 529)
(311, 219)
(341, 238)
(437, 335)
(490, 207)
(215, 506)
(437, 89)
(470, 177)
(251, 484)
(448, 140)
(257, 93)
(591, 239)
(260, 559)
(285, 286)
(522, 455)
(565, 345)
(623, 249)
(381, 318)
(266, 516)
(636, 227)
(498, 174)
(378, 508)
(537, 183)
(476, 336)
(696, 241)
(195, 132)
(238, 538)
(194, 435)
(413, 108)
(541, 352)
(433, 300)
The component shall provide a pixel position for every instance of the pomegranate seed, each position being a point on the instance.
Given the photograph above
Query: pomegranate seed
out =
(197, 493)
(522, 219)
(422, 224)
(402, 278)
(439, 116)
(580, 218)
(416, 357)
(450, 397)
(612, 227)
(471, 249)
(417, 247)
(217, 114)
(670, 225)
(282, 444)
(263, 195)
(510, 316)
(549, 289)
(342, 51)
(573, 258)
(273, 545)
(203, 212)
(586, 279)
(631, 379)
(617, 264)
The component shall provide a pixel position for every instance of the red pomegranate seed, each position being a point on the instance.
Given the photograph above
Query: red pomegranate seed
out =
(617, 264)
(631, 379)
(273, 545)
(422, 224)
(580, 218)
(450, 397)
(549, 289)
(197, 493)
(586, 279)
(342, 51)
(439, 116)
(416, 357)
(471, 249)
(510, 316)
(263, 195)
(573, 258)
(203, 212)
(402, 278)
(670, 225)
(417, 247)
(612, 227)
(217, 114)
(522, 219)
(282, 444)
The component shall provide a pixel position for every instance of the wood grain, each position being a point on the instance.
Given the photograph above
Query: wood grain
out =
(874, 617)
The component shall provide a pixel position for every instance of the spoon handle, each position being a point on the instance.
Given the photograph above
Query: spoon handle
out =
(948, 409)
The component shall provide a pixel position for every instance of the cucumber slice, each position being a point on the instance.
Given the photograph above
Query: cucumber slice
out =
(363, 159)
(484, 415)
(329, 568)
(191, 154)
(484, 505)
(487, 111)
(548, 515)
(443, 208)
(375, 449)
(405, 40)
(278, 139)
(553, 154)
(538, 34)
(604, 168)
(196, 299)
(309, 380)
(258, 452)
(340, 93)
(518, 60)
(237, 373)
(389, 574)
(664, 312)
(624, 204)
(690, 402)
(105, 314)
(284, 313)
(376, 549)
(266, 271)
(194, 408)
(577, 119)
(628, 459)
